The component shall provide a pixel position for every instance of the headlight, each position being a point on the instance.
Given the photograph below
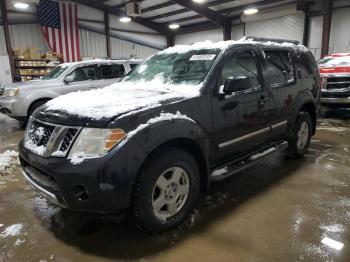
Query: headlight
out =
(95, 142)
(11, 91)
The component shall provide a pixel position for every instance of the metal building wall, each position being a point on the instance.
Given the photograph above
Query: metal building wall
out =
(340, 31)
(3, 50)
(92, 44)
(125, 49)
(287, 27)
(27, 35)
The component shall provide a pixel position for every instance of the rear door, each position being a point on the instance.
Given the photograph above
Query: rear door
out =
(84, 78)
(111, 73)
(240, 119)
(281, 78)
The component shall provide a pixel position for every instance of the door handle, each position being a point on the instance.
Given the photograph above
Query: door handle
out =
(262, 100)
(229, 106)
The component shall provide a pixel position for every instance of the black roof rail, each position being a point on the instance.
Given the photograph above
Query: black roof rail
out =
(276, 40)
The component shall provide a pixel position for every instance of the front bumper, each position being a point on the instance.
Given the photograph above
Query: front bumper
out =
(8, 106)
(336, 101)
(95, 185)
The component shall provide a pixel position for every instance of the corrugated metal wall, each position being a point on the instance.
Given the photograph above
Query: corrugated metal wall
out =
(125, 49)
(288, 27)
(340, 32)
(3, 50)
(27, 35)
(94, 45)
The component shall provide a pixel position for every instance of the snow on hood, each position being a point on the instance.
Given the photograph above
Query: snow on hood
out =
(337, 61)
(120, 98)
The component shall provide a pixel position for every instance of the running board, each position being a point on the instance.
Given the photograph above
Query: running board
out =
(244, 162)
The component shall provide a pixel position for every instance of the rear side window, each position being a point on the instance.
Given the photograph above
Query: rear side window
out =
(280, 69)
(132, 66)
(306, 65)
(112, 71)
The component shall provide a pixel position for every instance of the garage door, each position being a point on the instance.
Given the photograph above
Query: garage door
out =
(288, 27)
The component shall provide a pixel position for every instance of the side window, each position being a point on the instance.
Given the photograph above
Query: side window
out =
(305, 65)
(132, 66)
(238, 65)
(112, 71)
(275, 68)
(288, 63)
(84, 73)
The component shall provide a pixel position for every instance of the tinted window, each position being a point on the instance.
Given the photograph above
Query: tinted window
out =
(132, 66)
(84, 73)
(305, 65)
(238, 65)
(288, 64)
(112, 71)
(275, 68)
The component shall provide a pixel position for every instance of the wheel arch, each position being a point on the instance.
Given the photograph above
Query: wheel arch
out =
(46, 99)
(310, 108)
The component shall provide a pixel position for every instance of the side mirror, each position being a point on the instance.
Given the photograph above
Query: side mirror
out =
(68, 79)
(237, 84)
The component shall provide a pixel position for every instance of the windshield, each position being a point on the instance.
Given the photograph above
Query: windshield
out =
(334, 61)
(176, 68)
(55, 73)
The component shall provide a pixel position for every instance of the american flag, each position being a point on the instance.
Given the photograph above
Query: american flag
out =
(59, 21)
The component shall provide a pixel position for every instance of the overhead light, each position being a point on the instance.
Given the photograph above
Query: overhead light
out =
(199, 1)
(125, 19)
(174, 26)
(250, 11)
(20, 5)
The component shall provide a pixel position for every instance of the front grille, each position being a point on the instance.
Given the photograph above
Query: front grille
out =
(338, 82)
(47, 139)
(40, 133)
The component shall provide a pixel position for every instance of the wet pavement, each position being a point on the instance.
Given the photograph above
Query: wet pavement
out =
(278, 210)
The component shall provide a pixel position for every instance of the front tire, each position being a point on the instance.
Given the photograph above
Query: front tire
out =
(301, 136)
(166, 191)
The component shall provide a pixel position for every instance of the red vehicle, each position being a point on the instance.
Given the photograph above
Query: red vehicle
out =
(335, 75)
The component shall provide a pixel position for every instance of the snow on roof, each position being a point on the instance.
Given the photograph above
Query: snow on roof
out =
(222, 45)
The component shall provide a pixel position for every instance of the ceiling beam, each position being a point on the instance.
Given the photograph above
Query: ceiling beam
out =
(213, 16)
(118, 12)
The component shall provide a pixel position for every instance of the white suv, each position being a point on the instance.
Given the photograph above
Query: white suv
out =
(20, 100)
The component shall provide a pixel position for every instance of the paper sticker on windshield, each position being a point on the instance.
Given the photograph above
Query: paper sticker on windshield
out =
(202, 57)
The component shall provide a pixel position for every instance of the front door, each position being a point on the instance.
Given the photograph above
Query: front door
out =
(83, 78)
(239, 119)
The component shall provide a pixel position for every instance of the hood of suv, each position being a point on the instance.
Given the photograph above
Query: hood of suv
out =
(98, 107)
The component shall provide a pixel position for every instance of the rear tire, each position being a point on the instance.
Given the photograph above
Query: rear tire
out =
(166, 190)
(300, 138)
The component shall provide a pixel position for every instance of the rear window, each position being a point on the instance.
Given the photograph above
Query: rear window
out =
(112, 71)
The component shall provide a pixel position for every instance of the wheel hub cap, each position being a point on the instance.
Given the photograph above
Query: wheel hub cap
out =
(170, 192)
(303, 135)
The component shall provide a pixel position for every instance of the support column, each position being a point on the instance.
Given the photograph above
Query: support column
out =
(227, 30)
(326, 30)
(170, 40)
(306, 27)
(7, 38)
(108, 34)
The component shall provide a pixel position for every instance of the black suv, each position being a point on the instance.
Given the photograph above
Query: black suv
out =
(187, 116)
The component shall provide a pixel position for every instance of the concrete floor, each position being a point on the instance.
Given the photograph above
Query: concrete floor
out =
(279, 210)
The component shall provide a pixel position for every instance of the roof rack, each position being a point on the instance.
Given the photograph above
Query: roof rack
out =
(276, 40)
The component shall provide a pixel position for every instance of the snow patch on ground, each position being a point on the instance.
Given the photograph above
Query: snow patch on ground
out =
(19, 242)
(8, 162)
(12, 231)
